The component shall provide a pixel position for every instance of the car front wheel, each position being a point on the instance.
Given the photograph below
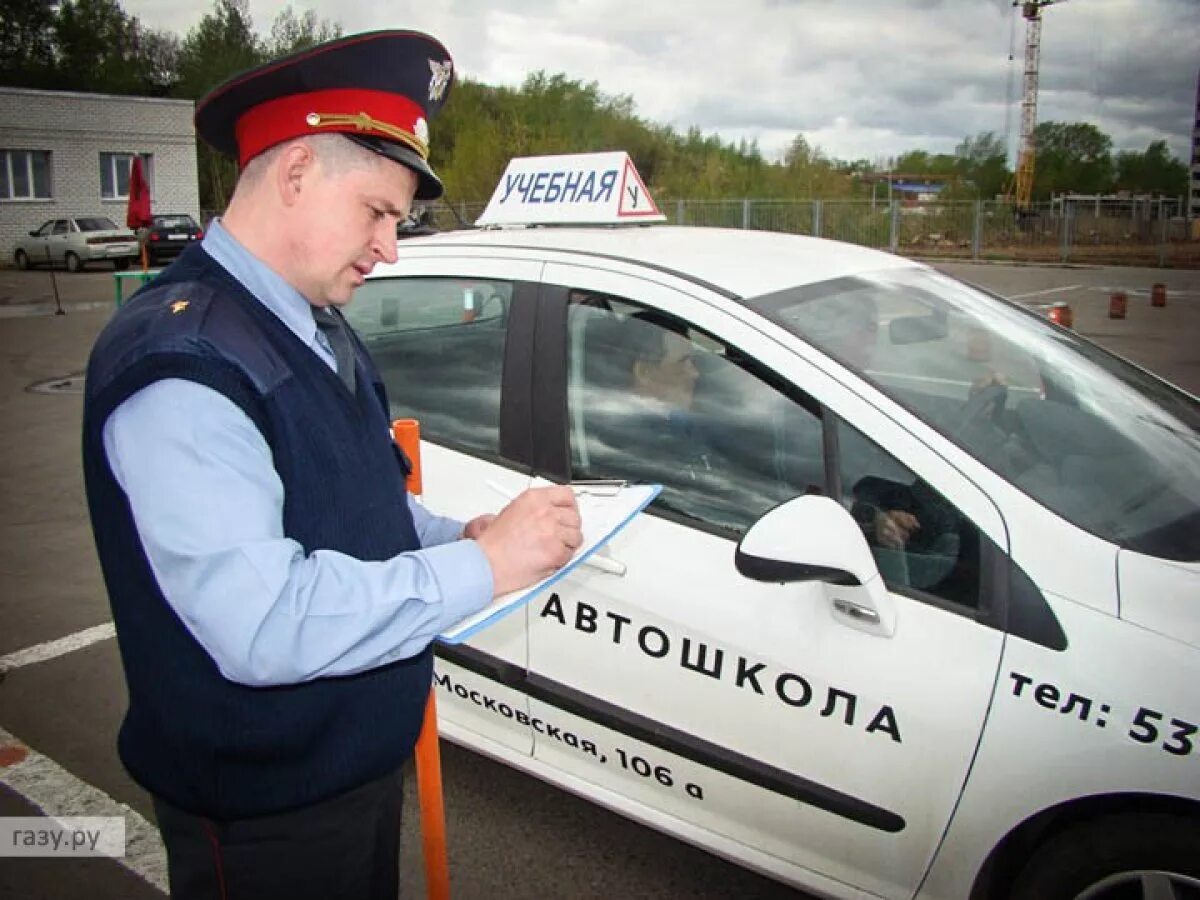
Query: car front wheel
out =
(1146, 856)
(74, 264)
(22, 260)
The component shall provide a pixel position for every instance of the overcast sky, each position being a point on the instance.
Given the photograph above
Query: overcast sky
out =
(858, 78)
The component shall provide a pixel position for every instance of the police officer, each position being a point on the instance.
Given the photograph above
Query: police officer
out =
(274, 588)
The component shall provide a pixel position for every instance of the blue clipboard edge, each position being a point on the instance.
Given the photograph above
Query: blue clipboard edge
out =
(656, 489)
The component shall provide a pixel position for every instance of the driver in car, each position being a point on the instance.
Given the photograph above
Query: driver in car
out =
(913, 531)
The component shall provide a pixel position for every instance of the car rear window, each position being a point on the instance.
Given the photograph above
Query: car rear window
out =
(96, 223)
(181, 222)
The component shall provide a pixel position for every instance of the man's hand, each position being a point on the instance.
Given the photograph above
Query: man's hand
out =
(893, 528)
(537, 533)
(987, 380)
(477, 526)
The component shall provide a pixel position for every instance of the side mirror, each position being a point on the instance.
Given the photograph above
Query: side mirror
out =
(813, 538)
(35, 233)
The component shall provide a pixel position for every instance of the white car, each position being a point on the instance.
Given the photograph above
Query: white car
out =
(917, 612)
(75, 241)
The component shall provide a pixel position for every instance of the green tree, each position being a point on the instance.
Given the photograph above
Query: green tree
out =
(27, 42)
(220, 45)
(290, 32)
(98, 47)
(1157, 171)
(981, 161)
(1071, 157)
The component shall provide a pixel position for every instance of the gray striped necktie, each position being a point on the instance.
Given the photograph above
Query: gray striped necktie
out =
(333, 326)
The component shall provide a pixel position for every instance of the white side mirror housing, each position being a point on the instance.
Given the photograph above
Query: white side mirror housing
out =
(813, 538)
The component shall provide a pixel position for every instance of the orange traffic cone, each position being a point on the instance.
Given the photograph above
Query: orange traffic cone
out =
(1061, 314)
(1117, 304)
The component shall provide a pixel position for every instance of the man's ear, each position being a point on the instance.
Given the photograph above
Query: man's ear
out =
(296, 166)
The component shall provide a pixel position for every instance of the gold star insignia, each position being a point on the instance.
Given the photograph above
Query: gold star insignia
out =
(179, 306)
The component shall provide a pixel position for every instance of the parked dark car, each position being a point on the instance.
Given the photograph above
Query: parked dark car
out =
(169, 234)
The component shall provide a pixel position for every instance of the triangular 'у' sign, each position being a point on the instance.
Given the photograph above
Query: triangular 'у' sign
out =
(635, 199)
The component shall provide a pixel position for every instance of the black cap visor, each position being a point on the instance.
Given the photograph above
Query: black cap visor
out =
(429, 186)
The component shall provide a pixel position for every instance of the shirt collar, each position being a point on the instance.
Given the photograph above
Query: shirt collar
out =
(268, 287)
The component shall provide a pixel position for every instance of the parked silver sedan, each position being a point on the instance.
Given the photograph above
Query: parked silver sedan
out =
(76, 241)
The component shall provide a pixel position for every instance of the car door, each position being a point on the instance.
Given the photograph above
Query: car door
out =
(767, 721)
(438, 331)
(38, 244)
(60, 236)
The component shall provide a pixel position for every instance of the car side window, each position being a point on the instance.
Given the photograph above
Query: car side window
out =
(62, 226)
(439, 346)
(920, 541)
(652, 400)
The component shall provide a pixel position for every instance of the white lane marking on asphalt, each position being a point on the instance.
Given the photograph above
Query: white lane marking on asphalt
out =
(50, 649)
(1175, 293)
(57, 792)
(1053, 290)
(22, 310)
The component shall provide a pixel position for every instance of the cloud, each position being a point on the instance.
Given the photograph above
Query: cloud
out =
(862, 79)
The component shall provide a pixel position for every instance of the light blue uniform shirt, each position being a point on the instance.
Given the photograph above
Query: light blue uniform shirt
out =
(208, 506)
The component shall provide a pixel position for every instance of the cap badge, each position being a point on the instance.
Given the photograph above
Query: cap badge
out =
(421, 129)
(179, 306)
(439, 79)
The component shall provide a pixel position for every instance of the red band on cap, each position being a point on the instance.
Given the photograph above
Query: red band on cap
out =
(392, 117)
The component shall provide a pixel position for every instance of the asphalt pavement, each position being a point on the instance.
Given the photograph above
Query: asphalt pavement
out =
(510, 836)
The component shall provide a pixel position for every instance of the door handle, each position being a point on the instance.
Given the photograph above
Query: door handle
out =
(856, 610)
(605, 564)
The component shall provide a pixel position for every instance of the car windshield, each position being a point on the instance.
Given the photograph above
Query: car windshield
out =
(1093, 438)
(96, 223)
(181, 222)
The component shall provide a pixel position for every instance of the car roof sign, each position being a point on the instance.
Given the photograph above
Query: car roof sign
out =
(576, 189)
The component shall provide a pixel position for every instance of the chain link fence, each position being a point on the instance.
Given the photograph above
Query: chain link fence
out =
(1068, 229)
(1087, 230)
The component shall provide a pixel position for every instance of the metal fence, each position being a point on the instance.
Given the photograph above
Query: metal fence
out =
(1068, 229)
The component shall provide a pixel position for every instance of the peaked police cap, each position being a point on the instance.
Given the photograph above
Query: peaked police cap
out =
(380, 89)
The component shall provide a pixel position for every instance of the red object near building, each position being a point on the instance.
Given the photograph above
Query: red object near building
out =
(137, 214)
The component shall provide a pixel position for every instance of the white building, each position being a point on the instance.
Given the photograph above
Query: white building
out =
(66, 154)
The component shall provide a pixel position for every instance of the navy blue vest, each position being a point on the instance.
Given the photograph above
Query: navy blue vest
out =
(190, 736)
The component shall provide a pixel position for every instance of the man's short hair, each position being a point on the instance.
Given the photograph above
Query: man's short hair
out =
(337, 155)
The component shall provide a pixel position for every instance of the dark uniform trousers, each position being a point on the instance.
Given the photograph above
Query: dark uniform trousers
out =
(345, 848)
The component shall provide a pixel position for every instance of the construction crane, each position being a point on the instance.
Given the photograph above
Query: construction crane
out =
(1032, 11)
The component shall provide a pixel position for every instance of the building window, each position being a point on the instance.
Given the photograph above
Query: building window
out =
(114, 174)
(24, 175)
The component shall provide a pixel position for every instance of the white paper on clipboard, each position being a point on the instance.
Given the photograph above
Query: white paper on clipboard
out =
(603, 515)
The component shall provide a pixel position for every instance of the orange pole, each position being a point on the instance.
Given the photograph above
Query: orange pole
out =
(407, 434)
(433, 811)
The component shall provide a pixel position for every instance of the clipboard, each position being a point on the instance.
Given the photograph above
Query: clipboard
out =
(604, 514)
